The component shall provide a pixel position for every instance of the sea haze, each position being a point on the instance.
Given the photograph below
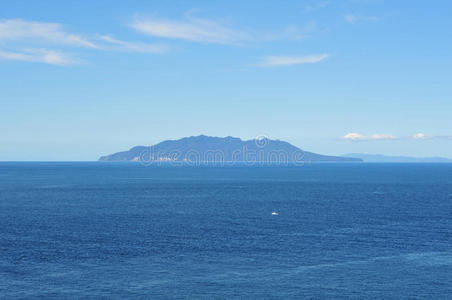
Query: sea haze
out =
(117, 230)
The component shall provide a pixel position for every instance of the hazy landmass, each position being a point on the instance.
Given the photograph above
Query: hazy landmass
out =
(222, 149)
(398, 159)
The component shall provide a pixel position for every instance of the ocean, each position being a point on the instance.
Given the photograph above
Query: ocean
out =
(124, 230)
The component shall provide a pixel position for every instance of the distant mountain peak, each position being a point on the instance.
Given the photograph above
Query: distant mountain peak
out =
(203, 148)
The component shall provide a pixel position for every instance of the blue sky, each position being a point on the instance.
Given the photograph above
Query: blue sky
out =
(79, 79)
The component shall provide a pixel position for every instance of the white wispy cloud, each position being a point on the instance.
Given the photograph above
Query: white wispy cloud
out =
(277, 61)
(352, 19)
(214, 32)
(353, 136)
(51, 43)
(17, 30)
(192, 29)
(420, 136)
(38, 55)
(383, 137)
(120, 45)
(31, 41)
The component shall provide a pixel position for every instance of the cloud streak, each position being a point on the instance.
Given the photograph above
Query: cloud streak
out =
(353, 136)
(31, 41)
(193, 29)
(279, 61)
(43, 42)
(422, 136)
(379, 136)
(17, 30)
(120, 45)
(38, 55)
(214, 32)
(353, 19)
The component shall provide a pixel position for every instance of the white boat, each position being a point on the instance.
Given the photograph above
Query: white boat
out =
(274, 213)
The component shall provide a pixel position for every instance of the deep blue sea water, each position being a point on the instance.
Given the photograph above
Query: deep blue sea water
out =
(112, 230)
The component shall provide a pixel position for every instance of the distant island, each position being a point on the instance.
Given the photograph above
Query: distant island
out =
(377, 158)
(208, 149)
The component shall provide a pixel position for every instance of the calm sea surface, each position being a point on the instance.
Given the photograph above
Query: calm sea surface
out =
(112, 230)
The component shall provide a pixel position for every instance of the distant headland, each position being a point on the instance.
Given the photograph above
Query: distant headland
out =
(208, 149)
(378, 158)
